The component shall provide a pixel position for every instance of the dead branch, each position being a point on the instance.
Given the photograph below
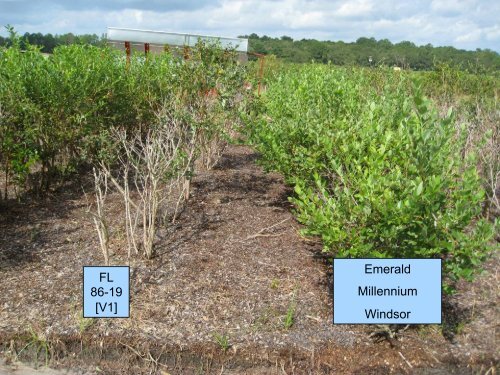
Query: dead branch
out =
(261, 233)
(99, 218)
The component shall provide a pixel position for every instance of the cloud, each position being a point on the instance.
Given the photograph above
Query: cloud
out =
(355, 8)
(110, 5)
(466, 24)
(493, 34)
(451, 8)
(472, 36)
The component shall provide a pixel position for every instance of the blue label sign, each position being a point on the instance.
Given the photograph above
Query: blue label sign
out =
(387, 291)
(106, 292)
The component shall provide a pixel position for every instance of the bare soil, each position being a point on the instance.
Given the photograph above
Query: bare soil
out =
(233, 265)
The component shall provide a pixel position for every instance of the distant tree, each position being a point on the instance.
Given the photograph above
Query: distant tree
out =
(47, 42)
(366, 41)
(404, 54)
(384, 44)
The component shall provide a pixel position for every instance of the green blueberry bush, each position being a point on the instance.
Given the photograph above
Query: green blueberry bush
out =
(57, 111)
(377, 171)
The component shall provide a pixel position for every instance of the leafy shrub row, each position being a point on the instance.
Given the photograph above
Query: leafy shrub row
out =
(377, 172)
(56, 112)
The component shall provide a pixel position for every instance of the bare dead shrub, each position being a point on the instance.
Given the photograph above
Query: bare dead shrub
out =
(151, 177)
(482, 138)
(489, 154)
(99, 216)
(215, 127)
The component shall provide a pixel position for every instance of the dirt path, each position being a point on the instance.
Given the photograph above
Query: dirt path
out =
(233, 266)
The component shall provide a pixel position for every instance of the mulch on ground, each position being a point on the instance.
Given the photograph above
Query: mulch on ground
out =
(233, 265)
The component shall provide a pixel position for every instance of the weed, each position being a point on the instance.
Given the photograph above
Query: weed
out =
(424, 330)
(222, 341)
(290, 313)
(459, 329)
(275, 283)
(85, 323)
(40, 343)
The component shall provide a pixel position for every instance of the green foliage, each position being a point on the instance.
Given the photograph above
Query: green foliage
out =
(85, 323)
(222, 341)
(48, 42)
(448, 84)
(377, 171)
(289, 319)
(56, 112)
(404, 54)
(383, 52)
(38, 342)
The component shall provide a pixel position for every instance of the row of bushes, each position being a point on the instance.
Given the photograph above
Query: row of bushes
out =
(56, 112)
(377, 171)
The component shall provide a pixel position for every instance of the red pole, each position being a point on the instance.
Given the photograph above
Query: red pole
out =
(146, 48)
(261, 68)
(127, 51)
(186, 52)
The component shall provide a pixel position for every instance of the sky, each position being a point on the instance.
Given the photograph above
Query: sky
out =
(466, 24)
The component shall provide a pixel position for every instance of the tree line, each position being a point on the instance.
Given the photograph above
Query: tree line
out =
(48, 42)
(372, 52)
(362, 52)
